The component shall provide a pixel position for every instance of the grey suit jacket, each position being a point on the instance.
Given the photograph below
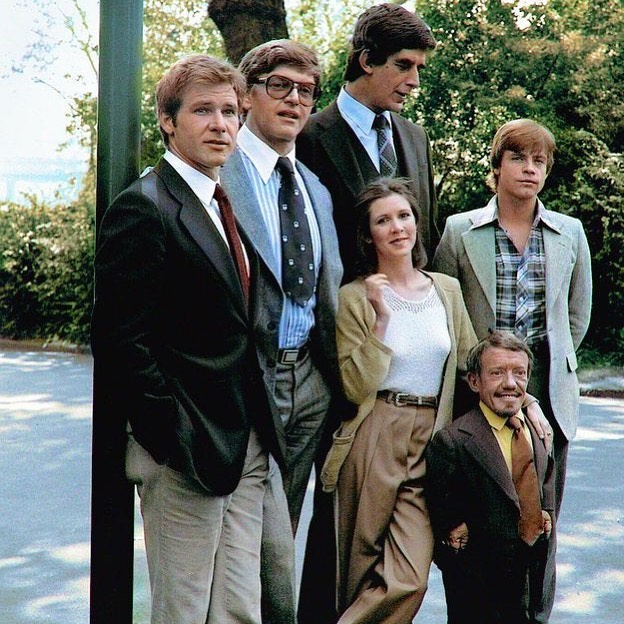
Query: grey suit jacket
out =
(467, 251)
(327, 145)
(469, 481)
(266, 322)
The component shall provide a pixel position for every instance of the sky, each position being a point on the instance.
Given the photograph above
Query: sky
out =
(33, 115)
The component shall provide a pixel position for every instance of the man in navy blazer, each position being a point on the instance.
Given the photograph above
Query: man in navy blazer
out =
(173, 340)
(341, 144)
(492, 571)
(296, 339)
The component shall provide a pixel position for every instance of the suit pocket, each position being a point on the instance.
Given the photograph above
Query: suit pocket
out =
(572, 363)
(153, 425)
(338, 452)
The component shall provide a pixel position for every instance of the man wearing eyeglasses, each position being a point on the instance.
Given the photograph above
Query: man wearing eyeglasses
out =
(287, 213)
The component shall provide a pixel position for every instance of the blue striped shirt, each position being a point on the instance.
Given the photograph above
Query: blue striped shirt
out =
(259, 160)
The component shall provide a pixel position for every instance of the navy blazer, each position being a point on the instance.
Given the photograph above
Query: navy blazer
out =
(171, 333)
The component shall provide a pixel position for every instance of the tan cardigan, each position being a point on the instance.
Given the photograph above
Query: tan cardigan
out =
(364, 361)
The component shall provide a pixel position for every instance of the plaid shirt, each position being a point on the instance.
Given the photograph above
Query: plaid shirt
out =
(521, 283)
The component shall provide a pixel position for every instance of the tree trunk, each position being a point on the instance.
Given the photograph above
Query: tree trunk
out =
(245, 24)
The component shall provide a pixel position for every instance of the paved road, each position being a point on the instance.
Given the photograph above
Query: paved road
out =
(45, 440)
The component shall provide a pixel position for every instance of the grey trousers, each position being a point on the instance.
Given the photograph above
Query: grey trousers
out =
(203, 551)
(302, 399)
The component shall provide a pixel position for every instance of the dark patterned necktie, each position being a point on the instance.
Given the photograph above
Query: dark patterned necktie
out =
(387, 157)
(233, 238)
(525, 481)
(298, 275)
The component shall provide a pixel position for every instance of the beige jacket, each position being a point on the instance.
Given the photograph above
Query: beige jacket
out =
(364, 361)
(467, 252)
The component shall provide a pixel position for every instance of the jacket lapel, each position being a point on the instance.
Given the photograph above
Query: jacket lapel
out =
(246, 209)
(482, 445)
(407, 145)
(337, 141)
(557, 254)
(480, 246)
(201, 229)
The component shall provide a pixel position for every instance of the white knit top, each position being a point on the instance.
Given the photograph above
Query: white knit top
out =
(419, 338)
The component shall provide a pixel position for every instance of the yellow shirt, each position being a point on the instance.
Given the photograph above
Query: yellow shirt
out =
(502, 433)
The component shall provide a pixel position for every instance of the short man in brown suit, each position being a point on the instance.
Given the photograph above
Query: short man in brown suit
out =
(491, 527)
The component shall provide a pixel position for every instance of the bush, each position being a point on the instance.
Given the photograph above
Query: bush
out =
(46, 259)
(587, 182)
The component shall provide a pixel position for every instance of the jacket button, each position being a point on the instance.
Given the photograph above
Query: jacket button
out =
(272, 325)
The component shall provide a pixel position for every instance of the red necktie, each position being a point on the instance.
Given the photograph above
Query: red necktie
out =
(524, 476)
(233, 237)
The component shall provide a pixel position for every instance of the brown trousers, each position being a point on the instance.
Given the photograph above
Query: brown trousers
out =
(384, 536)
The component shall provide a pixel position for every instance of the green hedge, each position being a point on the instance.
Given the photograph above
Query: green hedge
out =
(46, 267)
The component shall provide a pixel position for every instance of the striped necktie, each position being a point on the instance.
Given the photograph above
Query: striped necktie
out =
(387, 157)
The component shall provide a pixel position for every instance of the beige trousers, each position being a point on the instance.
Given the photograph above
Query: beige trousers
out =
(384, 537)
(203, 551)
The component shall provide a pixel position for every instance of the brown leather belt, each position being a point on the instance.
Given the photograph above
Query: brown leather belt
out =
(401, 399)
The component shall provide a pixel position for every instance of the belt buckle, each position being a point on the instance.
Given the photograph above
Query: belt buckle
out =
(289, 356)
(400, 399)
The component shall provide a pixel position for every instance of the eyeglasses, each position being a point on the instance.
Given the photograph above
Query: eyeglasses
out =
(280, 87)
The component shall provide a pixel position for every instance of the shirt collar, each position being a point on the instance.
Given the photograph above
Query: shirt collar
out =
(496, 422)
(262, 156)
(489, 215)
(360, 115)
(202, 185)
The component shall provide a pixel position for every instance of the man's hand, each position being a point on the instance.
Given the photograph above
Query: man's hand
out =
(458, 537)
(541, 424)
(546, 523)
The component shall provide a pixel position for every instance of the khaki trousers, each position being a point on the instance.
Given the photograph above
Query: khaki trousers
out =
(203, 551)
(384, 536)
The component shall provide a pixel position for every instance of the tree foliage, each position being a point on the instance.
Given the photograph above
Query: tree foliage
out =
(46, 283)
(558, 62)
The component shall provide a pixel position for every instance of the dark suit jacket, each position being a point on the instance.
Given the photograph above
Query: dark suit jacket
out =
(330, 149)
(171, 333)
(468, 481)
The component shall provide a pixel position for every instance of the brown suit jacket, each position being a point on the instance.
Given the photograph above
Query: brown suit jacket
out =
(469, 481)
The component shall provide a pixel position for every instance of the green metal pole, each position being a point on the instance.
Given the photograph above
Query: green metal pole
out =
(118, 158)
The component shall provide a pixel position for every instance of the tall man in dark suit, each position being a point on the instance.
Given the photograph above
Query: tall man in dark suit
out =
(296, 325)
(176, 287)
(356, 139)
(490, 492)
(360, 136)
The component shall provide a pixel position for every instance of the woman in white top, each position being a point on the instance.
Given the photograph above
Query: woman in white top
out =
(402, 333)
